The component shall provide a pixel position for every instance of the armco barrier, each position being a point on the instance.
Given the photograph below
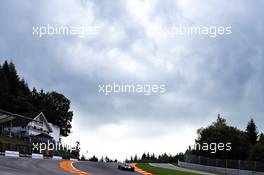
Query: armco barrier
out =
(218, 169)
(57, 158)
(12, 153)
(37, 156)
(34, 156)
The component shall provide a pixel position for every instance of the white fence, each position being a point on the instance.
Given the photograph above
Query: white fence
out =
(37, 156)
(11, 153)
(57, 158)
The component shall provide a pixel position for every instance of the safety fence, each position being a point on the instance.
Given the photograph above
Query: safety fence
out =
(226, 164)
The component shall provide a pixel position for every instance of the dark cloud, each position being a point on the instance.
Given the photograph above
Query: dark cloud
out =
(203, 75)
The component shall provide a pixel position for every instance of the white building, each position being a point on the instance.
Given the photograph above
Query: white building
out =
(38, 126)
(34, 126)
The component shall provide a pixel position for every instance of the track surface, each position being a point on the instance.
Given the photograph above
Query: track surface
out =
(95, 168)
(27, 166)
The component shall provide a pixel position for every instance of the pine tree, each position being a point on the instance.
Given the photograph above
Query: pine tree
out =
(83, 158)
(148, 156)
(4, 94)
(220, 122)
(135, 158)
(153, 157)
(251, 132)
(144, 156)
(12, 78)
(261, 138)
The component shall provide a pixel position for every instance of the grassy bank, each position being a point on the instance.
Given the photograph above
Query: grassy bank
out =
(14, 144)
(160, 171)
(13, 141)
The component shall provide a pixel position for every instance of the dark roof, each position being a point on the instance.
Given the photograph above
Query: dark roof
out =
(14, 115)
(42, 135)
(20, 119)
(8, 116)
(24, 122)
(20, 122)
(30, 115)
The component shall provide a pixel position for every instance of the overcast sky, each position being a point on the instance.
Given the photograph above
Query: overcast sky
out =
(203, 75)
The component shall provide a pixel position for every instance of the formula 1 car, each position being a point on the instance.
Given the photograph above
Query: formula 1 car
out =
(126, 167)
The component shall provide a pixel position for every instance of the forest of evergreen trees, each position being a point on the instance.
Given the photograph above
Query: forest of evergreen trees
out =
(247, 144)
(152, 158)
(145, 158)
(17, 97)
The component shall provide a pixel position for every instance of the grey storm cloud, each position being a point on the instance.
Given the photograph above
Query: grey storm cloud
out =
(203, 75)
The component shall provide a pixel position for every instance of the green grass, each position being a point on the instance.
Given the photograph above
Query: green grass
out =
(13, 141)
(160, 171)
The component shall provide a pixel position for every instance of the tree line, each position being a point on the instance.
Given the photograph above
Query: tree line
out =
(17, 97)
(152, 158)
(246, 144)
(145, 158)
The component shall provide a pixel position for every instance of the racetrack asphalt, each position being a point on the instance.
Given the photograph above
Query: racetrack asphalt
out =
(28, 166)
(95, 168)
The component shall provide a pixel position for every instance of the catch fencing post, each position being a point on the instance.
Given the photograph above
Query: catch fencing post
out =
(225, 166)
(239, 167)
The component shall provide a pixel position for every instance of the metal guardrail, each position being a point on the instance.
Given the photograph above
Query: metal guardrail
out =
(252, 166)
(218, 170)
